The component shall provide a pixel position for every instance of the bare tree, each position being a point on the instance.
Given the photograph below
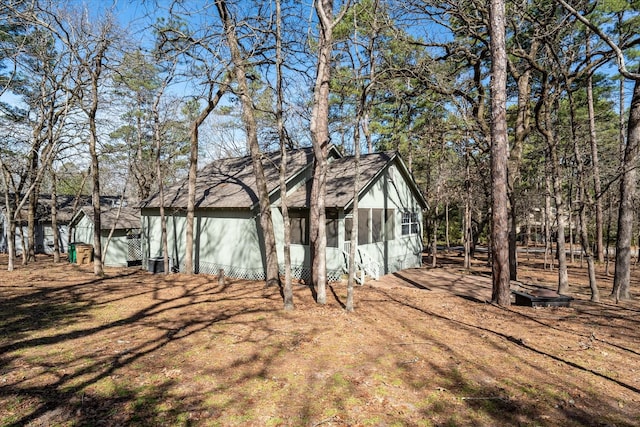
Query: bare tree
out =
(593, 140)
(213, 99)
(628, 179)
(157, 136)
(9, 202)
(582, 201)
(499, 156)
(251, 129)
(199, 48)
(89, 43)
(320, 140)
(282, 137)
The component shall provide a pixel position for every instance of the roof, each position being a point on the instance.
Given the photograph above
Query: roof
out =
(127, 218)
(65, 206)
(341, 179)
(231, 183)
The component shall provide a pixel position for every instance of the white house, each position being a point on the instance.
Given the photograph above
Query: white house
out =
(227, 232)
(66, 205)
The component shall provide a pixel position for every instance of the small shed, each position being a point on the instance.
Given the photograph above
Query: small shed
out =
(123, 223)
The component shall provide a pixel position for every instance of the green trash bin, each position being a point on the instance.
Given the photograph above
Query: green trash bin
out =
(72, 252)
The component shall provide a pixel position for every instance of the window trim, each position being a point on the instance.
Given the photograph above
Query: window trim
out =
(410, 223)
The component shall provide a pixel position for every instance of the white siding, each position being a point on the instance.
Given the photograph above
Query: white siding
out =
(118, 249)
(402, 251)
(222, 239)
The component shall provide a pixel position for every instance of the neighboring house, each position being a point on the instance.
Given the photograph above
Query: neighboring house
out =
(66, 208)
(533, 222)
(123, 224)
(227, 233)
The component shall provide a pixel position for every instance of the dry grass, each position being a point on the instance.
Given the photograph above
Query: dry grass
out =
(422, 348)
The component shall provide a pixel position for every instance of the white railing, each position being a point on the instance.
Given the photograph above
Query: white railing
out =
(366, 265)
(371, 266)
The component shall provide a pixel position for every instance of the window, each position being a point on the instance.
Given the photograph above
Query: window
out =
(374, 225)
(410, 223)
(390, 224)
(348, 224)
(332, 229)
(299, 227)
(363, 226)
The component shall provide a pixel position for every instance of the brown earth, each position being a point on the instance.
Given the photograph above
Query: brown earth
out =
(423, 348)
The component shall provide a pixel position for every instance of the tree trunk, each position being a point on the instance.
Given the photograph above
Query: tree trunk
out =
(158, 145)
(468, 238)
(9, 219)
(355, 218)
(95, 167)
(499, 156)
(522, 129)
(570, 199)
(627, 193)
(621, 101)
(54, 217)
(251, 128)
(319, 128)
(31, 227)
(608, 255)
(547, 127)
(548, 259)
(447, 243)
(595, 165)
(163, 217)
(191, 189)
(513, 238)
(193, 172)
(11, 243)
(93, 66)
(95, 197)
(282, 137)
(582, 204)
(561, 251)
(434, 237)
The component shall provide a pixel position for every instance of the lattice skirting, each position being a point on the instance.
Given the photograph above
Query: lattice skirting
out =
(134, 247)
(229, 270)
(299, 272)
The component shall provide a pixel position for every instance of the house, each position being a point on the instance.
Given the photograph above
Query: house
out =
(227, 233)
(66, 205)
(122, 223)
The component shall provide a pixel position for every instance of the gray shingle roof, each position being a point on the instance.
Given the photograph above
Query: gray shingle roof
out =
(341, 178)
(231, 183)
(129, 218)
(65, 206)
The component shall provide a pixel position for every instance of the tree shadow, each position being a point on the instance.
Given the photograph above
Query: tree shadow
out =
(43, 307)
(413, 283)
(42, 319)
(519, 342)
(490, 399)
(335, 295)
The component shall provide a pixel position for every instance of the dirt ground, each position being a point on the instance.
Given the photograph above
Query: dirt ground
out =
(423, 348)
